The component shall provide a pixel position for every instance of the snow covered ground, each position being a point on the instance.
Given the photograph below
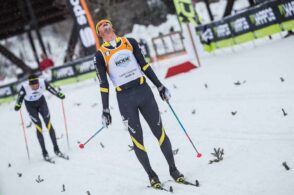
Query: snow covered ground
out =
(256, 140)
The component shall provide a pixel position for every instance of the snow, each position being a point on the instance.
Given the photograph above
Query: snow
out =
(256, 141)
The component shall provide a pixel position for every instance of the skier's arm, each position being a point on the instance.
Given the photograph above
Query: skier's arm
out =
(54, 91)
(101, 75)
(20, 96)
(50, 88)
(146, 67)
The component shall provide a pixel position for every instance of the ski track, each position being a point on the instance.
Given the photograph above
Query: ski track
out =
(256, 140)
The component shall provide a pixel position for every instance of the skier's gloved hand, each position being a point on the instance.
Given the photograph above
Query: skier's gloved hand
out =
(17, 107)
(164, 93)
(60, 95)
(106, 117)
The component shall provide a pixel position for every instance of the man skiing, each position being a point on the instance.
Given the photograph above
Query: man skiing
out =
(122, 60)
(32, 94)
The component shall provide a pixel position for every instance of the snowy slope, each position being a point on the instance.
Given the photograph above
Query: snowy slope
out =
(256, 140)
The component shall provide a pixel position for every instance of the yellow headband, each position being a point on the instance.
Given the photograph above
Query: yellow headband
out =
(33, 79)
(98, 24)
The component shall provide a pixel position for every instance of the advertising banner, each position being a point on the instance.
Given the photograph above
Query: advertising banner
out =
(260, 21)
(84, 23)
(5, 91)
(207, 37)
(264, 19)
(241, 28)
(286, 11)
(223, 34)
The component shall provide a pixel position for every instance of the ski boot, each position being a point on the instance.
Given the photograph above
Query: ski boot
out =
(57, 152)
(176, 175)
(154, 182)
(60, 154)
(46, 156)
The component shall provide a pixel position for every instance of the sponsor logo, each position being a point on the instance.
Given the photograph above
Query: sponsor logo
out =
(5, 91)
(85, 67)
(129, 73)
(85, 32)
(207, 35)
(126, 44)
(122, 60)
(143, 50)
(223, 30)
(64, 72)
(240, 25)
(287, 9)
(98, 75)
(97, 71)
(127, 126)
(131, 129)
(87, 37)
(107, 53)
(263, 17)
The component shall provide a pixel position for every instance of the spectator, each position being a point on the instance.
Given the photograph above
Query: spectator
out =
(45, 62)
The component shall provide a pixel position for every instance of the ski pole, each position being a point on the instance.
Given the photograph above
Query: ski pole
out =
(65, 123)
(198, 153)
(83, 145)
(24, 133)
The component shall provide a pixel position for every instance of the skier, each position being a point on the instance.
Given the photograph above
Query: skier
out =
(32, 94)
(122, 59)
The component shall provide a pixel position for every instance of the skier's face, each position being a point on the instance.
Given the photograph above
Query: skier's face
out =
(35, 86)
(104, 28)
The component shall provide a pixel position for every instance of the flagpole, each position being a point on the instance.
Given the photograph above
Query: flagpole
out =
(194, 45)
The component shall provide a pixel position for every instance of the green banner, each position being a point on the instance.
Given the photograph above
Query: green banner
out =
(244, 38)
(286, 9)
(263, 20)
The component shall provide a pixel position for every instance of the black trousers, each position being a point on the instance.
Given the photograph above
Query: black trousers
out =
(35, 108)
(141, 99)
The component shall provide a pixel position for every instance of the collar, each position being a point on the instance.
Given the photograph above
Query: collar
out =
(107, 44)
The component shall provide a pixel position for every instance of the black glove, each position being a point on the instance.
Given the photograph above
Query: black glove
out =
(17, 107)
(106, 117)
(164, 93)
(60, 95)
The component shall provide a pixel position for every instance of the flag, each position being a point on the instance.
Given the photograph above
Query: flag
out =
(186, 12)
